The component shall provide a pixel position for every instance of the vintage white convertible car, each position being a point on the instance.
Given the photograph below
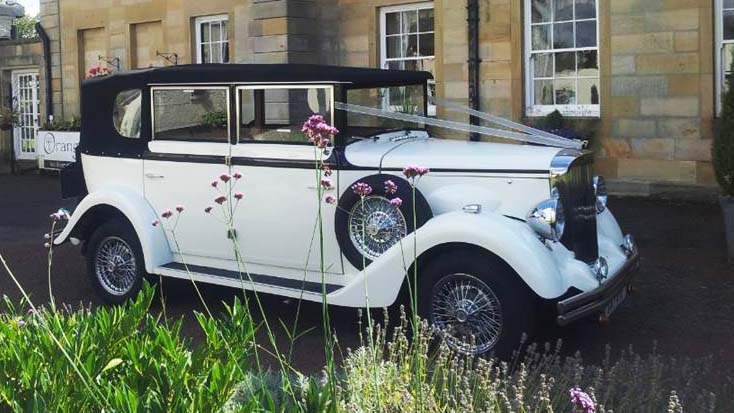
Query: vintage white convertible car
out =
(507, 233)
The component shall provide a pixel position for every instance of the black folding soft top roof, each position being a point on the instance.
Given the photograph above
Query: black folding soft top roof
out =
(352, 77)
(99, 136)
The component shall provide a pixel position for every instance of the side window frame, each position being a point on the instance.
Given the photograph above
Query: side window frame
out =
(570, 110)
(226, 88)
(722, 46)
(238, 103)
(202, 20)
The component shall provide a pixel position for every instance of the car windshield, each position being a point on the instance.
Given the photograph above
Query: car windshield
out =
(400, 99)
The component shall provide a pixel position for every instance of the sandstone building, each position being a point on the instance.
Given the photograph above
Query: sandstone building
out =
(642, 78)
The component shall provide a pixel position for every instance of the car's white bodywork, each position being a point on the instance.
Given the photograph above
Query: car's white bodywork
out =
(276, 220)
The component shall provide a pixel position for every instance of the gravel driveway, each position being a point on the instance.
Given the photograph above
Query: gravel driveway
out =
(684, 302)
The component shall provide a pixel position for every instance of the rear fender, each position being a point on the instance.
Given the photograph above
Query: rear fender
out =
(137, 210)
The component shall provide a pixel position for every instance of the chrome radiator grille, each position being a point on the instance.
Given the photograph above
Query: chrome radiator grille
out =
(579, 201)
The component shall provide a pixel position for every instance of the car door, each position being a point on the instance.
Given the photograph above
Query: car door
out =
(277, 221)
(189, 146)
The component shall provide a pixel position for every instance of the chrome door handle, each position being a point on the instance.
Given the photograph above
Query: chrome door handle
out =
(153, 175)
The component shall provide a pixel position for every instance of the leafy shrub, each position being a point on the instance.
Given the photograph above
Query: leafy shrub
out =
(72, 125)
(723, 145)
(118, 360)
(215, 120)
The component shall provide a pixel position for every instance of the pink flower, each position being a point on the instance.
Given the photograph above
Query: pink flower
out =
(318, 131)
(237, 175)
(208, 210)
(215, 183)
(329, 199)
(582, 400)
(396, 202)
(156, 222)
(56, 216)
(327, 170)
(415, 171)
(225, 178)
(21, 323)
(93, 70)
(390, 187)
(220, 199)
(167, 214)
(238, 196)
(179, 208)
(326, 183)
(362, 189)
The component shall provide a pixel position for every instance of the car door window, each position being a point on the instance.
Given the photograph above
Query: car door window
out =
(191, 114)
(277, 113)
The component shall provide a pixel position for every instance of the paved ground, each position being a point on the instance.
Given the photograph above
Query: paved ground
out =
(685, 299)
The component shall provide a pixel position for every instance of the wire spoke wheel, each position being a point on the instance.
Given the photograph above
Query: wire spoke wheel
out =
(115, 266)
(467, 313)
(375, 225)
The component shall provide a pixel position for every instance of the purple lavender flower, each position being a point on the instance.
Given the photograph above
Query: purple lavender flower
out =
(238, 196)
(326, 183)
(167, 214)
(156, 222)
(215, 183)
(179, 208)
(208, 210)
(220, 199)
(329, 199)
(582, 400)
(396, 202)
(225, 177)
(237, 175)
(56, 216)
(362, 189)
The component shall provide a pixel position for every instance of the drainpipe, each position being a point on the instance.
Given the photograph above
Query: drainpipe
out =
(46, 43)
(472, 7)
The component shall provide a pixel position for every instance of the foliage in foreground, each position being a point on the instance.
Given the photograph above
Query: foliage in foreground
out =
(124, 360)
(381, 378)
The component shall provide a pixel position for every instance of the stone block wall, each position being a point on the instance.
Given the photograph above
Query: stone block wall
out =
(660, 117)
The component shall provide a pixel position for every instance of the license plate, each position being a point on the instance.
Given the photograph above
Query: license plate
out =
(616, 301)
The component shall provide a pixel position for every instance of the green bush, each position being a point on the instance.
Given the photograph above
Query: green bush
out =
(72, 125)
(118, 360)
(215, 120)
(723, 145)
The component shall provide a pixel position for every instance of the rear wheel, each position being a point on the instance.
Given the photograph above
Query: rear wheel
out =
(115, 262)
(476, 302)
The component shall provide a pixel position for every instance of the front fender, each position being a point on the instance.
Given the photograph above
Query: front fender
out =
(137, 210)
(511, 240)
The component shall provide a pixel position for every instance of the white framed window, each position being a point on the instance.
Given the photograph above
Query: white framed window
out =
(407, 42)
(212, 39)
(724, 45)
(562, 57)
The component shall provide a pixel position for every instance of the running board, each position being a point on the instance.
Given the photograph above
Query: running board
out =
(237, 279)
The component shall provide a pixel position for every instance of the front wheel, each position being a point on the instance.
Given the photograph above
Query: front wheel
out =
(115, 262)
(477, 304)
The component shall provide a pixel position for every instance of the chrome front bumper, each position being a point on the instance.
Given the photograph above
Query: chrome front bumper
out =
(593, 302)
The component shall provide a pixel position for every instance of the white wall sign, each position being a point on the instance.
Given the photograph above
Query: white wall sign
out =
(56, 147)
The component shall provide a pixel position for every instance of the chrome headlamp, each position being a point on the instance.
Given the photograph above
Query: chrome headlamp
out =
(548, 218)
(600, 190)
